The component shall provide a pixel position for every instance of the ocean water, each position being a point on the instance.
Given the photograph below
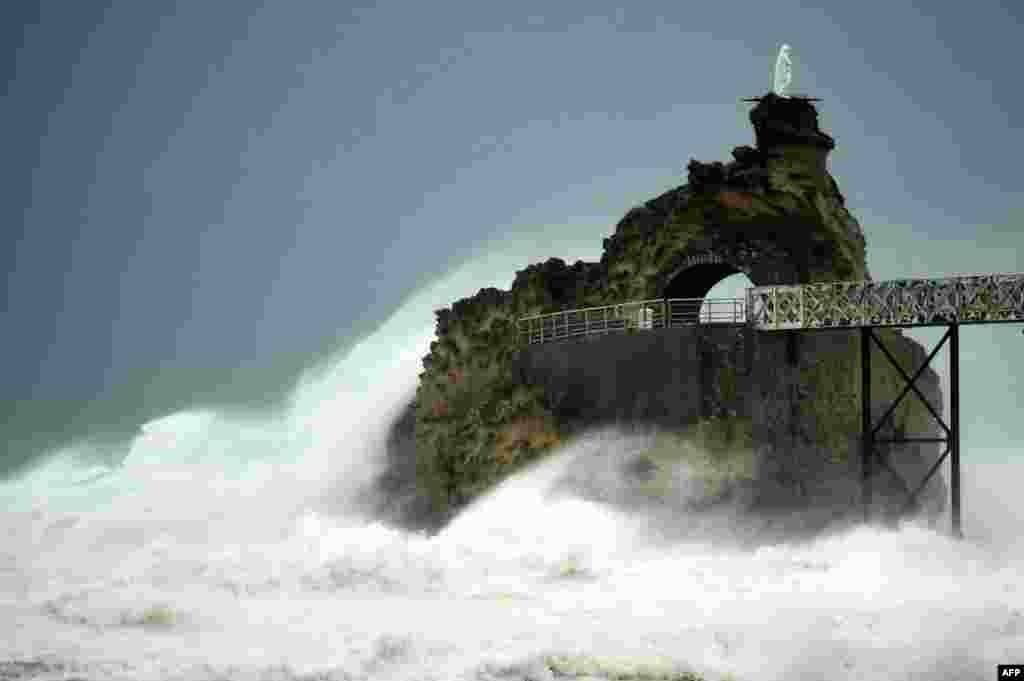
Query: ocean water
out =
(224, 547)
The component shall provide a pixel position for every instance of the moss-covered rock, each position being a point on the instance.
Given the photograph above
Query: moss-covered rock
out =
(833, 384)
(716, 452)
(773, 213)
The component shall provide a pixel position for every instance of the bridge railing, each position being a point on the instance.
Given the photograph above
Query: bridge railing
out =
(965, 299)
(657, 313)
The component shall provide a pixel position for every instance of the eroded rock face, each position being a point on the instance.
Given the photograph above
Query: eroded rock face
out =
(798, 410)
(485, 406)
(788, 121)
(773, 213)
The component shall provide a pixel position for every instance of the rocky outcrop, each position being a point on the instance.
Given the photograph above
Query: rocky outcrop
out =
(486, 405)
(790, 415)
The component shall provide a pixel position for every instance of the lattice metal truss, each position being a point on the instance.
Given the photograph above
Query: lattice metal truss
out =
(976, 299)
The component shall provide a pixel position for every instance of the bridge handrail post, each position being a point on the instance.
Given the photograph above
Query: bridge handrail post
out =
(801, 306)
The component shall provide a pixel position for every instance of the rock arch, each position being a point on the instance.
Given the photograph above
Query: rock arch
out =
(697, 274)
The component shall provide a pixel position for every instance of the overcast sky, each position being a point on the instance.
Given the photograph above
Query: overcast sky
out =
(200, 199)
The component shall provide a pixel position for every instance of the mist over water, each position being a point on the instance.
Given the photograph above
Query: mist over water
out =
(225, 547)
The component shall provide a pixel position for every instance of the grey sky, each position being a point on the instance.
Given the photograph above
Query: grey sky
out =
(202, 198)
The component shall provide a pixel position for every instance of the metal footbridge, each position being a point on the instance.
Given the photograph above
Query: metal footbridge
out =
(864, 305)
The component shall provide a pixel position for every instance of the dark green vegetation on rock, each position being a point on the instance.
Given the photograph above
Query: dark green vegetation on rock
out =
(835, 404)
(485, 406)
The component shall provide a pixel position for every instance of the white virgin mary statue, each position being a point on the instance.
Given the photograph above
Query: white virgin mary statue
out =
(783, 73)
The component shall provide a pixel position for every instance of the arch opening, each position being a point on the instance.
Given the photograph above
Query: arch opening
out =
(717, 287)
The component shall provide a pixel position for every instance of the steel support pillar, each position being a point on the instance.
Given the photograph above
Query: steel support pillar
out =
(954, 417)
(867, 446)
(869, 429)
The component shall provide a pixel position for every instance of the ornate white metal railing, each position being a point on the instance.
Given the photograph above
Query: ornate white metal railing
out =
(972, 299)
(641, 315)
